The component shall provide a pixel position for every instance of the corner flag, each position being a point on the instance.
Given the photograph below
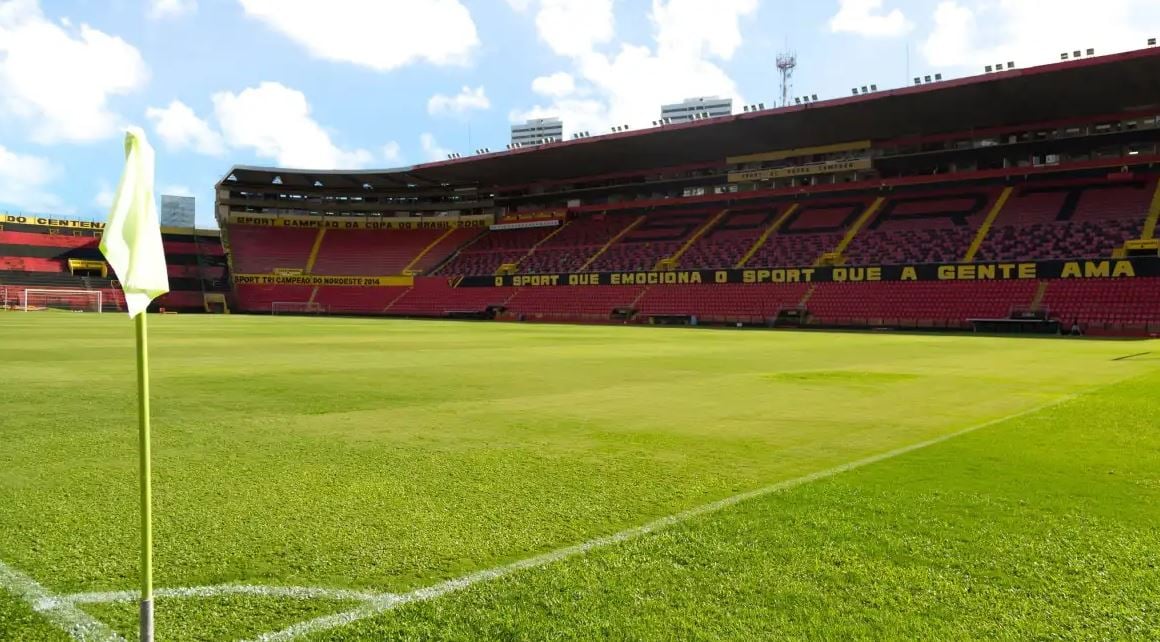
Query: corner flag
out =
(132, 245)
(132, 239)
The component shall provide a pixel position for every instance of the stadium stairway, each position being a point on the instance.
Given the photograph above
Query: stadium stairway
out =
(489, 251)
(985, 228)
(924, 227)
(807, 232)
(761, 240)
(1149, 231)
(313, 258)
(569, 250)
(611, 241)
(675, 260)
(532, 250)
(661, 234)
(835, 255)
(372, 252)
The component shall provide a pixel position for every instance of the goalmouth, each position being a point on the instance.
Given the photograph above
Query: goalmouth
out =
(71, 300)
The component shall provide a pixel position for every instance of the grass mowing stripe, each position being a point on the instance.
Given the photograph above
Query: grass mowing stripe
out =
(79, 625)
(438, 590)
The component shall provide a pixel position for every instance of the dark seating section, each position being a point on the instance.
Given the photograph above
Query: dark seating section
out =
(570, 249)
(725, 244)
(921, 228)
(488, 252)
(660, 235)
(1074, 219)
(811, 230)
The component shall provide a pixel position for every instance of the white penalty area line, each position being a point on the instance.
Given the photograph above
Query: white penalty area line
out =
(390, 602)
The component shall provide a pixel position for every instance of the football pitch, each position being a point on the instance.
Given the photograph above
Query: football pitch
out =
(341, 479)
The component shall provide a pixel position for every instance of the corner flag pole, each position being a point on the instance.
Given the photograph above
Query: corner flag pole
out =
(146, 481)
(131, 243)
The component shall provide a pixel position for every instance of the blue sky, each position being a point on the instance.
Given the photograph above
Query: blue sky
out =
(382, 83)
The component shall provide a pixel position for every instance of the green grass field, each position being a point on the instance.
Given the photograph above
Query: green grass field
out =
(370, 460)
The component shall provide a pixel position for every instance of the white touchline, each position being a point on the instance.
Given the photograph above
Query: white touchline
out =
(79, 625)
(372, 609)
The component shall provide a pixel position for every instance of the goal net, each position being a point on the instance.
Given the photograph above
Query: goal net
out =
(296, 307)
(71, 300)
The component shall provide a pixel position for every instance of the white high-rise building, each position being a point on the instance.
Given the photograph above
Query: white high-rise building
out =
(692, 108)
(537, 131)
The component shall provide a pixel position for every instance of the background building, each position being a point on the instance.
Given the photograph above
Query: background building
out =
(537, 130)
(688, 109)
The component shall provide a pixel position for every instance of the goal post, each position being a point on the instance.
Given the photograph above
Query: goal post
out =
(70, 300)
(296, 307)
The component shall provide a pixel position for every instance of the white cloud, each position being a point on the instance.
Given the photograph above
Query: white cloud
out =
(865, 18)
(698, 28)
(431, 147)
(976, 33)
(558, 84)
(274, 121)
(179, 128)
(23, 182)
(58, 79)
(175, 190)
(629, 85)
(392, 153)
(160, 9)
(519, 5)
(104, 197)
(574, 27)
(379, 34)
(466, 100)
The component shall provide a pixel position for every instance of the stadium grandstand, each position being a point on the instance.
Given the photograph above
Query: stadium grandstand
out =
(1024, 200)
(48, 262)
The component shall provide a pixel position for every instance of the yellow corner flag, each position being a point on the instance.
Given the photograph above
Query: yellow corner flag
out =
(132, 245)
(132, 239)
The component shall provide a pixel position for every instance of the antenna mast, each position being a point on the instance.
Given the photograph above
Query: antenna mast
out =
(786, 63)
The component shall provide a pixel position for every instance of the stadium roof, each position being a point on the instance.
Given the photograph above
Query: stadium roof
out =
(1086, 87)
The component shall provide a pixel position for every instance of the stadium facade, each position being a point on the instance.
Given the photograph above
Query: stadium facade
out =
(1021, 200)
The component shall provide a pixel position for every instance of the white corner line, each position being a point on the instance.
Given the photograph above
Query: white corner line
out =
(220, 590)
(65, 616)
(372, 609)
